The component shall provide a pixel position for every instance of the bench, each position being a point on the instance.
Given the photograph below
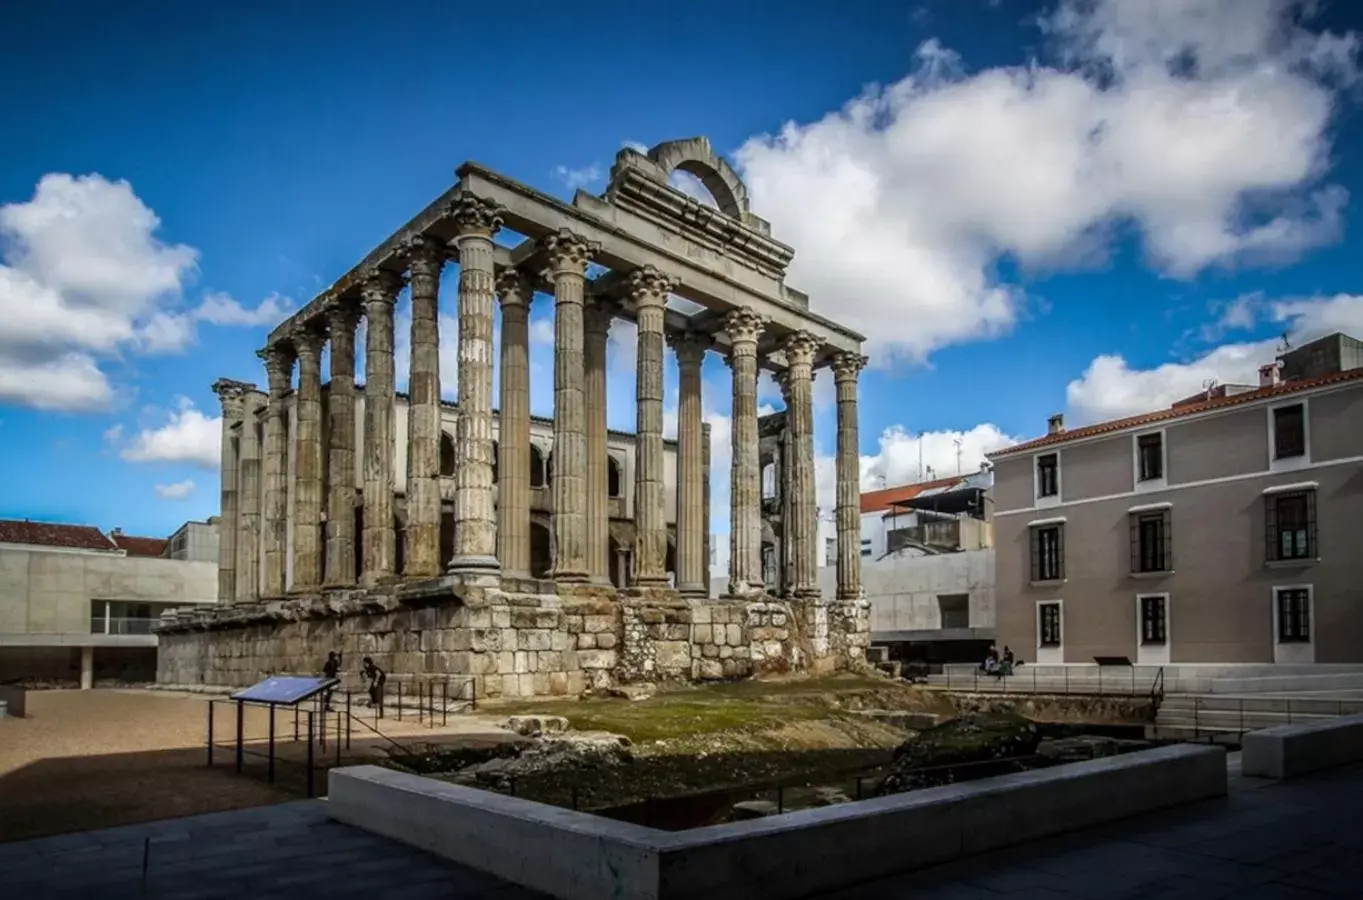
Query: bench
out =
(1289, 751)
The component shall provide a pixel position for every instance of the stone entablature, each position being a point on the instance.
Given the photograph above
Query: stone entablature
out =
(337, 482)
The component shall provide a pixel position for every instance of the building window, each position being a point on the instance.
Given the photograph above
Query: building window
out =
(1150, 457)
(1291, 525)
(1151, 541)
(1294, 615)
(1048, 475)
(1048, 553)
(1154, 619)
(1048, 624)
(1289, 431)
(866, 547)
(955, 610)
(830, 551)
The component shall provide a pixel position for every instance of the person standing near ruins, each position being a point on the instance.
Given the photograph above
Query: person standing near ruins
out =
(376, 678)
(331, 670)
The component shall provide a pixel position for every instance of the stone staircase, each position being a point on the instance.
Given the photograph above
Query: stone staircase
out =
(1213, 716)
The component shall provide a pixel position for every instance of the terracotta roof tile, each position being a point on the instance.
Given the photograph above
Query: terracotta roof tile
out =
(140, 546)
(52, 534)
(1164, 415)
(876, 501)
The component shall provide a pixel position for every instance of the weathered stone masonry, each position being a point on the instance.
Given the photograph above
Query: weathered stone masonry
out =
(484, 605)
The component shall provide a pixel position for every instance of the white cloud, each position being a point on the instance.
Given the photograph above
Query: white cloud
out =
(219, 308)
(1110, 388)
(186, 435)
(578, 178)
(903, 452)
(83, 276)
(542, 332)
(178, 490)
(1203, 124)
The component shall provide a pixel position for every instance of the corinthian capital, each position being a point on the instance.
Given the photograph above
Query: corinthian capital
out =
(649, 287)
(514, 288)
(380, 286)
(599, 314)
(847, 366)
(424, 255)
(690, 346)
(279, 358)
(800, 348)
(744, 326)
(569, 253)
(343, 316)
(472, 215)
(233, 395)
(307, 341)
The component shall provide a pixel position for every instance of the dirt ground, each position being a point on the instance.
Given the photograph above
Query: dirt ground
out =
(96, 759)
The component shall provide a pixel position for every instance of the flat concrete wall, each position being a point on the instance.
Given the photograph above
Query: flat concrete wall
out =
(903, 589)
(577, 856)
(1288, 751)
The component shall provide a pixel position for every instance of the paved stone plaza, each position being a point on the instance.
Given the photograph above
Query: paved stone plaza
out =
(1301, 839)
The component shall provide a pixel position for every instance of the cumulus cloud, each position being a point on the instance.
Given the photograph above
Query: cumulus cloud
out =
(1203, 127)
(578, 178)
(184, 435)
(905, 457)
(1111, 388)
(218, 308)
(178, 490)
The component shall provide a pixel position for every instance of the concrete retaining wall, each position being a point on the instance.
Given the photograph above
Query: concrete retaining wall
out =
(1288, 751)
(577, 856)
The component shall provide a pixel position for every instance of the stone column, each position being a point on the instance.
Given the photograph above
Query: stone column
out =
(249, 492)
(308, 462)
(745, 488)
(513, 446)
(475, 514)
(649, 289)
(425, 258)
(279, 359)
(596, 330)
(846, 368)
(231, 394)
(803, 526)
(569, 256)
(690, 349)
(380, 293)
(705, 503)
(342, 318)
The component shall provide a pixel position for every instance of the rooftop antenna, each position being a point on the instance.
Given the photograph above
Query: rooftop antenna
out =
(1207, 387)
(1286, 344)
(920, 457)
(957, 442)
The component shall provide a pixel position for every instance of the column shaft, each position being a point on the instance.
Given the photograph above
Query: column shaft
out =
(308, 463)
(690, 349)
(649, 289)
(422, 551)
(803, 527)
(513, 431)
(846, 368)
(279, 360)
(249, 493)
(596, 330)
(231, 394)
(380, 293)
(569, 256)
(745, 489)
(340, 568)
(705, 507)
(475, 515)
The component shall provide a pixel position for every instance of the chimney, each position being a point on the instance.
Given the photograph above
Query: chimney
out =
(1055, 424)
(1268, 374)
(117, 532)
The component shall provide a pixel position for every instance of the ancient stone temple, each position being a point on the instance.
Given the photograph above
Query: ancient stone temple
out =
(530, 556)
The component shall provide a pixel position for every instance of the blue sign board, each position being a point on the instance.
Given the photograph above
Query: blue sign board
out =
(285, 689)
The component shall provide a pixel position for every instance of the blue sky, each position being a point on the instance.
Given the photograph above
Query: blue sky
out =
(1035, 208)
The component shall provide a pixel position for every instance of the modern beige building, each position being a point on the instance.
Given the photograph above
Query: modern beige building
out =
(1225, 529)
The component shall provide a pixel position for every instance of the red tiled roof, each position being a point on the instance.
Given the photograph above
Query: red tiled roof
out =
(1164, 415)
(51, 534)
(140, 546)
(875, 501)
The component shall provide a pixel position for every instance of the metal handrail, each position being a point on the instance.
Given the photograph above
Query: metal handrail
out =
(1157, 690)
(1314, 707)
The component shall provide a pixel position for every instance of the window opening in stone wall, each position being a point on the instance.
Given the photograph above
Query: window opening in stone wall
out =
(769, 481)
(1290, 520)
(1151, 542)
(830, 551)
(1048, 553)
(1154, 622)
(1150, 452)
(1294, 615)
(1048, 475)
(536, 467)
(1048, 624)
(446, 454)
(1289, 431)
(954, 609)
(613, 477)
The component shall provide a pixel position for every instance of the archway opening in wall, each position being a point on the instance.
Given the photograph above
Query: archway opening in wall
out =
(399, 540)
(769, 480)
(446, 539)
(619, 577)
(536, 467)
(359, 542)
(541, 561)
(690, 178)
(446, 454)
(495, 457)
(613, 486)
(549, 469)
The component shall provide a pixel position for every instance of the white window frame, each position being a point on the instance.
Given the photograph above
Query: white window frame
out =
(1295, 462)
(1152, 654)
(1293, 652)
(1049, 655)
(1039, 501)
(1154, 484)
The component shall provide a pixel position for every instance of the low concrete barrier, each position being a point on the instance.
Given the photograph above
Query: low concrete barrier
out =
(578, 856)
(1288, 751)
(15, 699)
